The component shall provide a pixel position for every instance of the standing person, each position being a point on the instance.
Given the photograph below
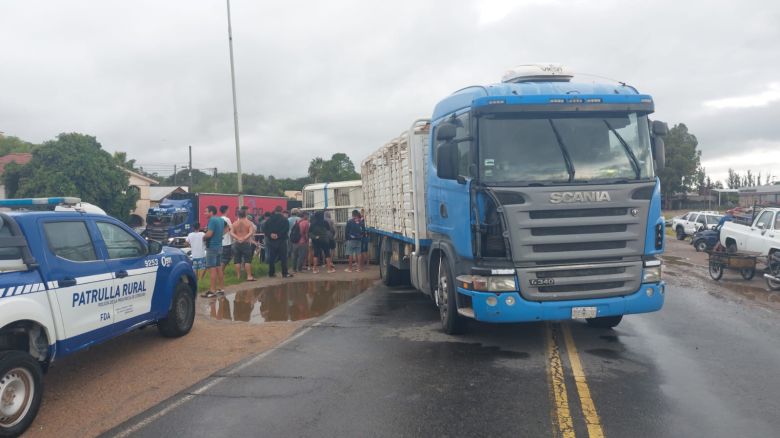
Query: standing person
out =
(295, 216)
(364, 241)
(198, 247)
(213, 236)
(242, 233)
(276, 230)
(261, 227)
(353, 234)
(320, 233)
(227, 239)
(301, 244)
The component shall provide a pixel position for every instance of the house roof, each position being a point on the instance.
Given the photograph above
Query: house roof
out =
(17, 157)
(138, 175)
(157, 193)
(772, 188)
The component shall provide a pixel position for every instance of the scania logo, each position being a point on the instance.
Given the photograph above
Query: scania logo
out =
(572, 197)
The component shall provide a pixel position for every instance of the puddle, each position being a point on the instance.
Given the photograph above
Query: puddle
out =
(292, 301)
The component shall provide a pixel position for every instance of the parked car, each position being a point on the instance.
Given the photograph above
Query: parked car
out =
(688, 224)
(762, 236)
(705, 240)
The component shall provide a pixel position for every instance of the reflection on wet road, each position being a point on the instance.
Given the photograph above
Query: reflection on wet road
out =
(292, 301)
(381, 366)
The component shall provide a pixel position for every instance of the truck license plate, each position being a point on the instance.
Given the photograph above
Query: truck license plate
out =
(583, 312)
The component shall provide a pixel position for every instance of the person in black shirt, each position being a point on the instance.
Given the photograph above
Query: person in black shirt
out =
(276, 230)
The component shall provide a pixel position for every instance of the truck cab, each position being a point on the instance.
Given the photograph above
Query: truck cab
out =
(70, 280)
(172, 219)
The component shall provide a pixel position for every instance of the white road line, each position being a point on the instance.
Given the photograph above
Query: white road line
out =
(206, 386)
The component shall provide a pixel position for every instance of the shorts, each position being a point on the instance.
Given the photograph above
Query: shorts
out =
(321, 250)
(227, 254)
(213, 257)
(364, 244)
(352, 247)
(243, 252)
(199, 263)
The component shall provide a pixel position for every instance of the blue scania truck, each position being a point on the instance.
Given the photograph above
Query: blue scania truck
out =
(528, 200)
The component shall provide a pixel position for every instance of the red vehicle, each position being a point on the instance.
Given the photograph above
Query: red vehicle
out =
(175, 216)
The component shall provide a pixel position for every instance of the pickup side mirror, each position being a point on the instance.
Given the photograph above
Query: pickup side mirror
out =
(153, 247)
(446, 161)
(659, 153)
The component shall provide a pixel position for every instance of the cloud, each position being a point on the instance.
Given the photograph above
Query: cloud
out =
(764, 98)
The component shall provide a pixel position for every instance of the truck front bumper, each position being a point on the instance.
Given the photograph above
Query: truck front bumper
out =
(649, 298)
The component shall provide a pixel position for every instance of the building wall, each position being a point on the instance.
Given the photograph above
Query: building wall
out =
(144, 203)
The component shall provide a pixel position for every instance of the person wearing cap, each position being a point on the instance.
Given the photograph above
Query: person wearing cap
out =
(353, 234)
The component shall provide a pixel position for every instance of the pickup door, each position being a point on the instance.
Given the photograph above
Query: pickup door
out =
(761, 233)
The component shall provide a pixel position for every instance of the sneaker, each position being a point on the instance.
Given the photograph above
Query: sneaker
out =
(287, 276)
(348, 270)
(220, 292)
(209, 294)
(330, 271)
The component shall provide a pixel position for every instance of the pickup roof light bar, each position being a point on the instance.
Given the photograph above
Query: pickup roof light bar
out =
(22, 202)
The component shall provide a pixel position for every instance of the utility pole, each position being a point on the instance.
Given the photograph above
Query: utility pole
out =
(235, 110)
(174, 174)
(189, 189)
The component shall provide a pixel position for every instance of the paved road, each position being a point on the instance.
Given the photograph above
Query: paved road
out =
(706, 365)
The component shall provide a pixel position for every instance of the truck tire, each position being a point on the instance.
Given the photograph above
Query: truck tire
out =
(680, 233)
(451, 321)
(700, 245)
(391, 276)
(21, 390)
(604, 321)
(180, 317)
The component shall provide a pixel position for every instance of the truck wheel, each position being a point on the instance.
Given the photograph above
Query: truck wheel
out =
(700, 245)
(445, 293)
(21, 391)
(179, 320)
(604, 321)
(391, 276)
(680, 233)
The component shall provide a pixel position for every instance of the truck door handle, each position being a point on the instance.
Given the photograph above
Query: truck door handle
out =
(121, 274)
(66, 282)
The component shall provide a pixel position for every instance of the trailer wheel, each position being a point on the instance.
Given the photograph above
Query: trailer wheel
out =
(604, 321)
(445, 293)
(391, 276)
(748, 273)
(21, 390)
(774, 270)
(716, 271)
(179, 320)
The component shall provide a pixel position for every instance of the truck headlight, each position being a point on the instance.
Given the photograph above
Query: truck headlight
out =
(652, 274)
(497, 283)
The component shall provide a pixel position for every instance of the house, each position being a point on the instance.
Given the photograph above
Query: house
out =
(20, 158)
(143, 184)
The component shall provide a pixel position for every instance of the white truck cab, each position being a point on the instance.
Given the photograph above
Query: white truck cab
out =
(762, 236)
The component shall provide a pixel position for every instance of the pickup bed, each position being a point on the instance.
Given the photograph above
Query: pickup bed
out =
(762, 236)
(70, 280)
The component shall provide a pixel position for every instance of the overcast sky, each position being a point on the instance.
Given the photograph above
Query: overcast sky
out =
(316, 77)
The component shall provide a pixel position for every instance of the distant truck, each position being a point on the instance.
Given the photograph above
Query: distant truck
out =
(762, 236)
(70, 280)
(176, 215)
(339, 199)
(532, 199)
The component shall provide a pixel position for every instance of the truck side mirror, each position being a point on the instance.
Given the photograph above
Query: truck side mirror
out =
(446, 167)
(659, 153)
(660, 128)
(154, 247)
(445, 131)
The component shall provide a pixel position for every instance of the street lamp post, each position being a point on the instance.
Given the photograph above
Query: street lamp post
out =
(235, 110)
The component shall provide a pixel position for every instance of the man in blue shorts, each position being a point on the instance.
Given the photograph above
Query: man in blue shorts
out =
(213, 237)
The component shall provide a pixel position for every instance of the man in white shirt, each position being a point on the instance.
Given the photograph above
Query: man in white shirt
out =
(198, 254)
(227, 239)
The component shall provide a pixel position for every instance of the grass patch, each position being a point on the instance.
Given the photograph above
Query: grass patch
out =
(258, 270)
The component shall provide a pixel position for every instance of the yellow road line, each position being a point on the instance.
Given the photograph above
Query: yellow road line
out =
(588, 407)
(562, 416)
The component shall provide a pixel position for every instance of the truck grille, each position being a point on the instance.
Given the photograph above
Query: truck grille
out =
(156, 234)
(553, 283)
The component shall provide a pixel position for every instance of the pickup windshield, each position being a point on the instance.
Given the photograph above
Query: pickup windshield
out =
(520, 150)
(8, 252)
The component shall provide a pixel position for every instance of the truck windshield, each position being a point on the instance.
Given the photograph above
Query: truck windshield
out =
(158, 219)
(520, 150)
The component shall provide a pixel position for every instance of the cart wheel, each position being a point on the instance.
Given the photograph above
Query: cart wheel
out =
(716, 271)
(748, 273)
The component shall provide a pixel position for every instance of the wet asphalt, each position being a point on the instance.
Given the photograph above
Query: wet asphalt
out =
(705, 366)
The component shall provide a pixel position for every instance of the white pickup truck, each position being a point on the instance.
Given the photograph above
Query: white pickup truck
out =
(762, 236)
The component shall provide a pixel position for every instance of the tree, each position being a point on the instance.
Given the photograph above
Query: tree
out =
(338, 168)
(682, 162)
(11, 144)
(74, 165)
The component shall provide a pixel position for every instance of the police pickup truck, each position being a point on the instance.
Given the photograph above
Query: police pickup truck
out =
(70, 280)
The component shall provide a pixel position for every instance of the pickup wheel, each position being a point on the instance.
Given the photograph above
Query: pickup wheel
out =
(604, 321)
(180, 317)
(451, 321)
(700, 245)
(680, 233)
(21, 391)
(731, 248)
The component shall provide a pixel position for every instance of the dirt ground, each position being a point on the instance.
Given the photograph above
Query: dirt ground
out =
(95, 390)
